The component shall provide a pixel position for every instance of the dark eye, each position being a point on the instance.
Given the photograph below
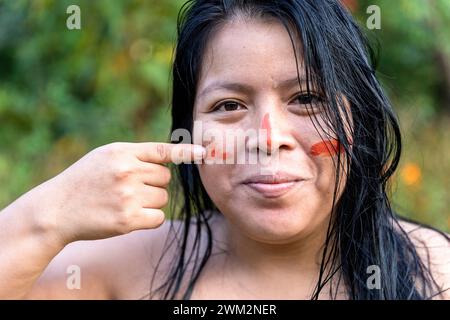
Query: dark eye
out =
(309, 98)
(228, 106)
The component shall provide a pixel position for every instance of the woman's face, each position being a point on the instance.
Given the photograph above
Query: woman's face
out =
(249, 81)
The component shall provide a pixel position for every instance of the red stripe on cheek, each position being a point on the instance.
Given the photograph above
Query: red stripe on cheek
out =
(326, 148)
(213, 151)
(265, 125)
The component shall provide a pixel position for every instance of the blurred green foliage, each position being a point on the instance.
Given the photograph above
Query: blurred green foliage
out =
(414, 67)
(64, 92)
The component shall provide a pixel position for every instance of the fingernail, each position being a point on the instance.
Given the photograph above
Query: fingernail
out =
(199, 151)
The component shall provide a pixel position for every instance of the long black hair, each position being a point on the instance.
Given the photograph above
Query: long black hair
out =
(364, 230)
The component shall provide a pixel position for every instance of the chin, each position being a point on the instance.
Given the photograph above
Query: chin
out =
(273, 225)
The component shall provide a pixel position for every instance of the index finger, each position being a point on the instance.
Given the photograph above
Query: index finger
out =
(159, 152)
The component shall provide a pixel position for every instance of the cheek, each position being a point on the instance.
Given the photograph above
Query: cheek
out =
(213, 137)
(217, 179)
(324, 153)
(216, 152)
(326, 176)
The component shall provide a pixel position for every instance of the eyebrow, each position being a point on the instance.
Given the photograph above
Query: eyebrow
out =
(245, 88)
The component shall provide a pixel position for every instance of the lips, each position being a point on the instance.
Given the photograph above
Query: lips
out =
(273, 185)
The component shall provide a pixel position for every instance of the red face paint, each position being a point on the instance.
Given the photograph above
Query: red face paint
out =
(213, 150)
(265, 125)
(326, 148)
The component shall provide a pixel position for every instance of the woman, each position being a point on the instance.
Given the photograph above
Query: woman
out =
(316, 223)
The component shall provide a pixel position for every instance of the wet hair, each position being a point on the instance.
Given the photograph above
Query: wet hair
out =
(364, 230)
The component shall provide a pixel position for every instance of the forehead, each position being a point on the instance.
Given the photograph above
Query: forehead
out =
(256, 51)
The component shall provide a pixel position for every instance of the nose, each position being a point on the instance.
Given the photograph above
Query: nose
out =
(274, 133)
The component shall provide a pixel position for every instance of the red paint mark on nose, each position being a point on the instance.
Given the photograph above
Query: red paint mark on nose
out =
(213, 150)
(326, 148)
(265, 125)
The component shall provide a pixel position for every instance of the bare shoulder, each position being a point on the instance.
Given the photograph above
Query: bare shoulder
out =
(434, 249)
(121, 267)
(115, 268)
(427, 238)
(135, 257)
(133, 266)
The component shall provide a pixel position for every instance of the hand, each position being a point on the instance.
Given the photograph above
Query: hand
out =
(114, 189)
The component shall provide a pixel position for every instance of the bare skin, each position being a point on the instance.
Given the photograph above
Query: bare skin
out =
(113, 190)
(103, 213)
(121, 268)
